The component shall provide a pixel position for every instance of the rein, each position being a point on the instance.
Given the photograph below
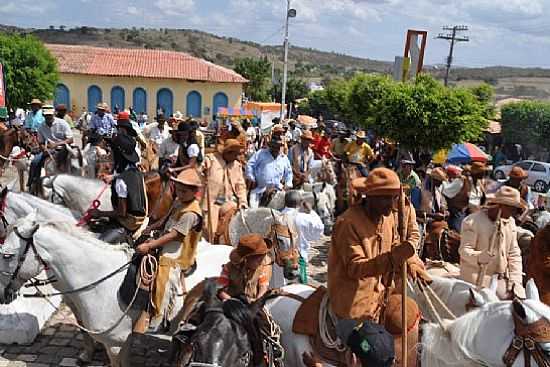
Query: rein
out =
(96, 203)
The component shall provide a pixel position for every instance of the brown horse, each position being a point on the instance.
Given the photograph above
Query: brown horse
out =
(160, 196)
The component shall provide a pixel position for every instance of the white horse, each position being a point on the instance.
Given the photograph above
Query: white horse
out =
(77, 193)
(483, 334)
(77, 259)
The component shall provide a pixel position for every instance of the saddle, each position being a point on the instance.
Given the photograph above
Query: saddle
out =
(307, 321)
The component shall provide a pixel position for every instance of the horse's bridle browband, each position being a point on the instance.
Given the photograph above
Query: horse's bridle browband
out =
(526, 339)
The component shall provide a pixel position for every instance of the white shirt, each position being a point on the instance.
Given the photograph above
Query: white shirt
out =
(193, 151)
(154, 133)
(309, 226)
(121, 188)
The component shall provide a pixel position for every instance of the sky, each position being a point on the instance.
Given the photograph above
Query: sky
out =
(501, 32)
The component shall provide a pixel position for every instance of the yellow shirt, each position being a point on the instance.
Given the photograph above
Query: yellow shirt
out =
(359, 153)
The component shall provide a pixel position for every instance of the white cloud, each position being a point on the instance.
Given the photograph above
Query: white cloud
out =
(175, 7)
(132, 10)
(25, 7)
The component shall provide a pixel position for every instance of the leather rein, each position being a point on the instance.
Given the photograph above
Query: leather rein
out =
(527, 339)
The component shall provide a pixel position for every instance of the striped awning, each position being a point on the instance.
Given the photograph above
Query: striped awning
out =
(234, 112)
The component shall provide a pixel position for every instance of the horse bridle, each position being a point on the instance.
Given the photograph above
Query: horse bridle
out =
(10, 291)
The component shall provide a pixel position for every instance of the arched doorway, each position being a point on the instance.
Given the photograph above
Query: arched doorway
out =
(140, 100)
(220, 100)
(165, 101)
(62, 96)
(94, 97)
(194, 104)
(117, 99)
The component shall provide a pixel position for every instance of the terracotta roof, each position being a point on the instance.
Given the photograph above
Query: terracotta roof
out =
(139, 63)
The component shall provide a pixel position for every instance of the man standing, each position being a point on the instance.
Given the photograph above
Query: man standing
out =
(308, 224)
(366, 250)
(268, 170)
(157, 133)
(102, 122)
(52, 134)
(359, 153)
(489, 241)
(226, 188)
(35, 117)
(301, 156)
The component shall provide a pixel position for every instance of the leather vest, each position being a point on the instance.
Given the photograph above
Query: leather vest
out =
(136, 199)
(190, 242)
(461, 200)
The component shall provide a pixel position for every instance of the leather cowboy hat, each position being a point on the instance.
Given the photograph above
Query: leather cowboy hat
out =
(232, 145)
(380, 182)
(439, 174)
(249, 245)
(36, 101)
(361, 135)
(508, 196)
(126, 145)
(478, 167)
(188, 177)
(518, 172)
(306, 135)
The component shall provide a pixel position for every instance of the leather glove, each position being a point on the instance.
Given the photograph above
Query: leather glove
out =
(402, 252)
(417, 271)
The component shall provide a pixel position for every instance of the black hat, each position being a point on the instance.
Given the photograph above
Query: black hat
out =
(370, 342)
(128, 125)
(126, 145)
(184, 127)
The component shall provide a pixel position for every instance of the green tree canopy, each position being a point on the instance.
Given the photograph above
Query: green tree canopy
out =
(295, 89)
(258, 72)
(30, 69)
(527, 123)
(485, 94)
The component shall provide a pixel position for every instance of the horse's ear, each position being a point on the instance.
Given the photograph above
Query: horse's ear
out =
(210, 292)
(532, 291)
(519, 309)
(494, 283)
(476, 298)
(4, 192)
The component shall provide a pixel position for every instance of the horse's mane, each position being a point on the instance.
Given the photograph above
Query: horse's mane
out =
(78, 233)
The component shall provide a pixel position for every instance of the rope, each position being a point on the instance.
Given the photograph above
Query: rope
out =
(449, 313)
(94, 205)
(325, 316)
(431, 306)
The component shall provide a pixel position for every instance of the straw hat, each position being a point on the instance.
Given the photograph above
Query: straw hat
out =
(188, 177)
(249, 245)
(178, 116)
(232, 145)
(518, 172)
(439, 174)
(508, 196)
(306, 135)
(380, 182)
(361, 135)
(478, 167)
(278, 128)
(36, 101)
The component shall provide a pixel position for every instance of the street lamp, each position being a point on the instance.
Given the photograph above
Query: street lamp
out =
(290, 13)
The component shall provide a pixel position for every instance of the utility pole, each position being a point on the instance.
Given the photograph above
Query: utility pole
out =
(290, 13)
(453, 37)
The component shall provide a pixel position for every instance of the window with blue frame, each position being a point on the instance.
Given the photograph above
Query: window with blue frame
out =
(62, 96)
(94, 97)
(117, 99)
(194, 104)
(140, 100)
(165, 101)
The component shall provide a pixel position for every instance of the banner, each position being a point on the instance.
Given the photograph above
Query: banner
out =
(2, 87)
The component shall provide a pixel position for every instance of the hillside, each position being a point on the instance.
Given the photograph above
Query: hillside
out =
(304, 62)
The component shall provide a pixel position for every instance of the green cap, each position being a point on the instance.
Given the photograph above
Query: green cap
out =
(3, 112)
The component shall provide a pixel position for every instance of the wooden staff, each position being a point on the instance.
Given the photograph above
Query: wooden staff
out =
(403, 236)
(208, 201)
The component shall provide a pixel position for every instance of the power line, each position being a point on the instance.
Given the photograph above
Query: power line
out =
(453, 37)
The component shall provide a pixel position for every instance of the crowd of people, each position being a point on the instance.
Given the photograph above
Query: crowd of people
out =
(243, 167)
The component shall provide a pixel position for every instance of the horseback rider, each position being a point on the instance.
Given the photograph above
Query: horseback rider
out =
(127, 188)
(178, 245)
(301, 157)
(54, 134)
(35, 117)
(61, 112)
(102, 122)
(489, 240)
(189, 153)
(359, 153)
(516, 179)
(366, 250)
(268, 170)
(433, 201)
(226, 187)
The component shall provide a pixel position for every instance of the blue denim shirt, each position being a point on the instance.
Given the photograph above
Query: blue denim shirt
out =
(34, 120)
(266, 171)
(102, 125)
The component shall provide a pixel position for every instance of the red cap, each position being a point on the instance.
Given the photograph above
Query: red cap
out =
(123, 116)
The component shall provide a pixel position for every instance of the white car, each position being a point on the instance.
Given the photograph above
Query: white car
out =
(539, 173)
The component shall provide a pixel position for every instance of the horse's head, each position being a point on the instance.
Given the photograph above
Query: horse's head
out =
(224, 334)
(19, 260)
(283, 237)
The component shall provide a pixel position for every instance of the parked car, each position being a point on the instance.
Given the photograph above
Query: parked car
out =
(539, 173)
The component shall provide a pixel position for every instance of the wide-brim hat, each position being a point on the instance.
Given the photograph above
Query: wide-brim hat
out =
(48, 110)
(188, 177)
(361, 135)
(518, 173)
(439, 174)
(232, 145)
(128, 125)
(126, 145)
(380, 182)
(36, 101)
(453, 170)
(102, 106)
(61, 107)
(306, 135)
(278, 128)
(249, 245)
(508, 196)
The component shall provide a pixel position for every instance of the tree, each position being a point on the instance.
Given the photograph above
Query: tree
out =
(366, 93)
(527, 123)
(30, 69)
(258, 73)
(485, 94)
(423, 114)
(295, 89)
